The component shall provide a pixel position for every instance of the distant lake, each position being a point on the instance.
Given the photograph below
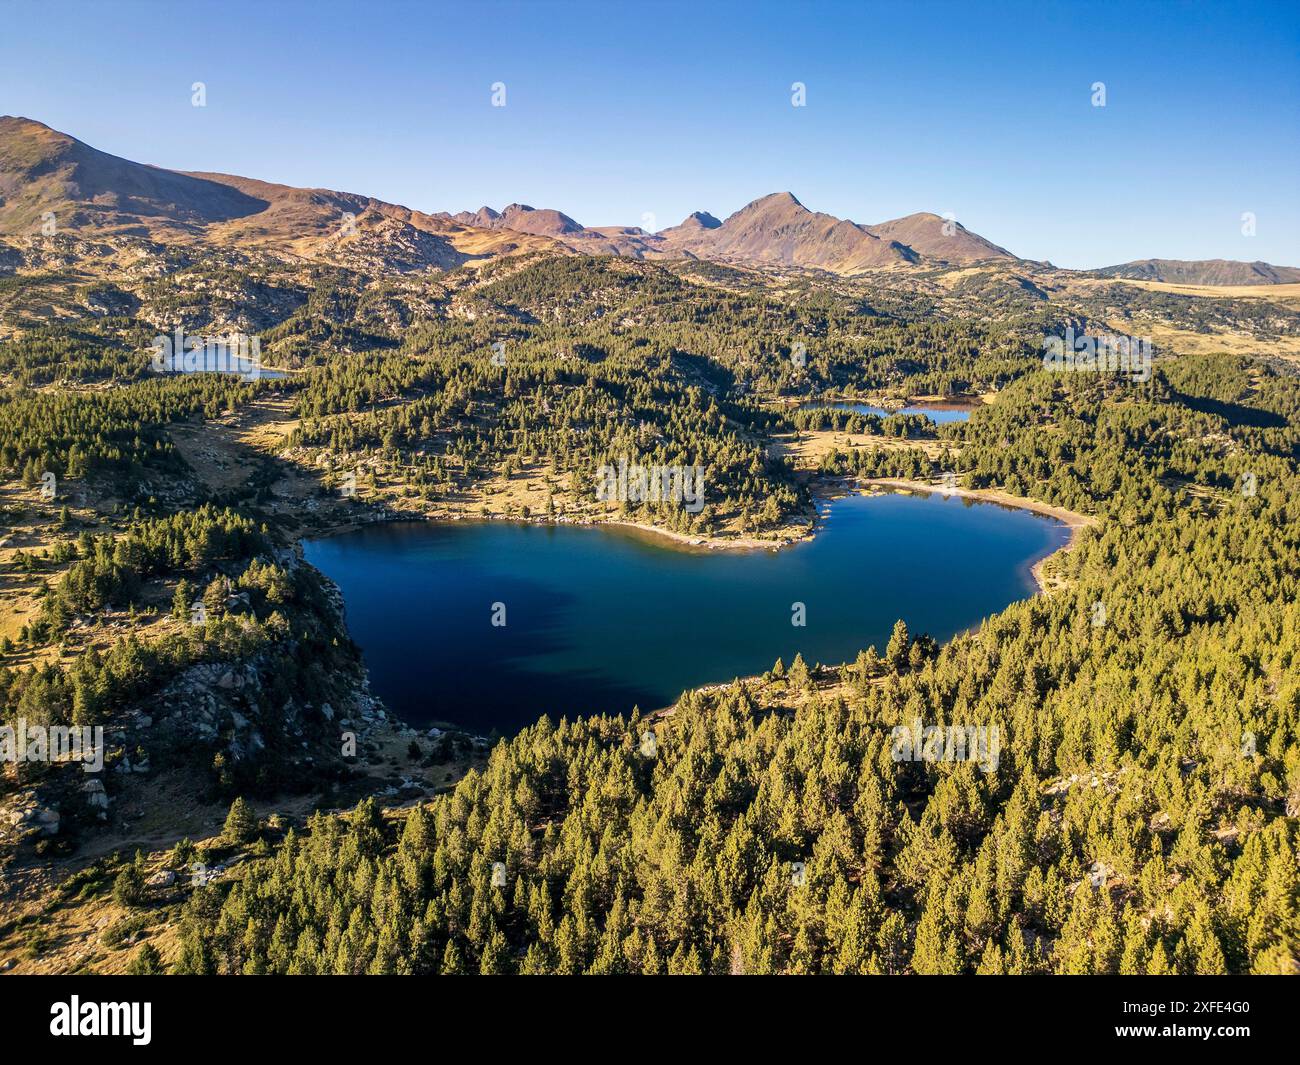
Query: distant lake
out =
(260, 373)
(600, 619)
(938, 412)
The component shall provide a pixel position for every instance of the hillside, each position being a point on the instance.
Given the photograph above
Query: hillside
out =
(43, 170)
(939, 238)
(98, 195)
(1203, 272)
(778, 229)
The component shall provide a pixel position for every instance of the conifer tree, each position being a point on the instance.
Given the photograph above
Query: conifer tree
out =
(241, 822)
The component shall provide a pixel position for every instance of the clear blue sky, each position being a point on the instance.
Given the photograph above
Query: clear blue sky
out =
(619, 109)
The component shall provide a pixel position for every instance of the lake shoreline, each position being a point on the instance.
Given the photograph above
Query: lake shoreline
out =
(595, 608)
(824, 491)
(1070, 519)
(968, 401)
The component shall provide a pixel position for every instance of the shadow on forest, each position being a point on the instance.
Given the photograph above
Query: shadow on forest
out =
(1232, 413)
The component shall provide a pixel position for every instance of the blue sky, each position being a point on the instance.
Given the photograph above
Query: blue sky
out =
(619, 110)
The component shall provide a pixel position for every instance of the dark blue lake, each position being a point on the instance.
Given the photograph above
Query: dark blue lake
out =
(600, 619)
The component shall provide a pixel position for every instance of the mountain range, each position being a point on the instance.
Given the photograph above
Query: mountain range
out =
(46, 173)
(1204, 272)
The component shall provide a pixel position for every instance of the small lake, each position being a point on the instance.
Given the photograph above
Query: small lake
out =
(600, 619)
(938, 412)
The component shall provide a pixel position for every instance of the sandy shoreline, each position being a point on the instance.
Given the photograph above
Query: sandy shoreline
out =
(677, 539)
(1069, 518)
(823, 492)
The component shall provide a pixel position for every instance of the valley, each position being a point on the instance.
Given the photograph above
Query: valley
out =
(276, 596)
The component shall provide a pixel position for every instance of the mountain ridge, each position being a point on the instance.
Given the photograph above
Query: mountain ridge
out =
(44, 171)
(1225, 272)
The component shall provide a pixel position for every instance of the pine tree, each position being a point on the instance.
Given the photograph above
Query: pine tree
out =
(146, 962)
(896, 651)
(241, 823)
(183, 600)
(129, 887)
(799, 677)
(453, 963)
(495, 960)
